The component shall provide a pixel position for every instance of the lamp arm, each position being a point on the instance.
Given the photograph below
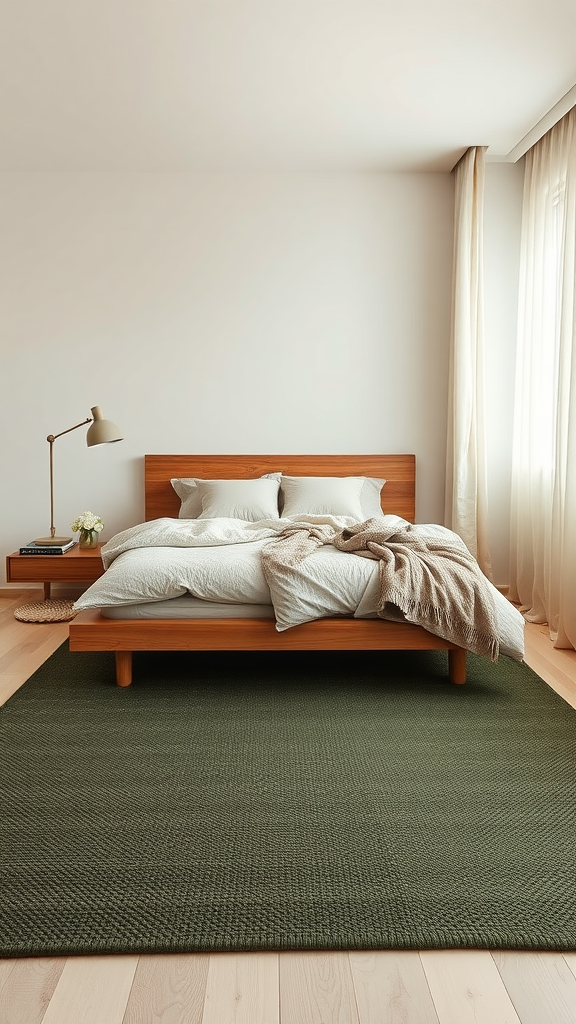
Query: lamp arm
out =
(51, 438)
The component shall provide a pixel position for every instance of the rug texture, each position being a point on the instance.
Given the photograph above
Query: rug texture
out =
(261, 801)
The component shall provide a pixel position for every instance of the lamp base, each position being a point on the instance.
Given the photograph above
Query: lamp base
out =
(47, 541)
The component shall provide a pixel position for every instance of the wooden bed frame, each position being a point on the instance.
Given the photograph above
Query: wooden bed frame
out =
(91, 631)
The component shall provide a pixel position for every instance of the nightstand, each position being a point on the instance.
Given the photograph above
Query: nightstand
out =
(79, 565)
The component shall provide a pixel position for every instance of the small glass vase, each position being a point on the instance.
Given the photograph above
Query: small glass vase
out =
(88, 539)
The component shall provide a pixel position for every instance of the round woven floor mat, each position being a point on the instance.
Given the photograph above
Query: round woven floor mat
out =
(46, 611)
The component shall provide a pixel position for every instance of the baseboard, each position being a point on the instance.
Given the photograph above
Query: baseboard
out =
(11, 592)
(64, 591)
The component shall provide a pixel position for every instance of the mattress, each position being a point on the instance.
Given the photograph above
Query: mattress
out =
(188, 607)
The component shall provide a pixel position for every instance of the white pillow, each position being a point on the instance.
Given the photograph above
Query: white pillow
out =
(190, 500)
(370, 497)
(190, 503)
(357, 497)
(250, 500)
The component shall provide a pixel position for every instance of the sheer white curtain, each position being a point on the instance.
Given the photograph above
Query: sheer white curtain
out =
(466, 488)
(543, 514)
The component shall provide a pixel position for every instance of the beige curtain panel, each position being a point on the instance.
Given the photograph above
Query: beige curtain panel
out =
(466, 489)
(543, 513)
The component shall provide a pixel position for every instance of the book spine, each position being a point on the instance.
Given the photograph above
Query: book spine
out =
(41, 551)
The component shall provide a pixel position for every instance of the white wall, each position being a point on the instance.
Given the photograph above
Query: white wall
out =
(207, 313)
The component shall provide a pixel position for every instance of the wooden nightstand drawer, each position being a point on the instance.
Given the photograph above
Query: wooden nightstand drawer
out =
(75, 566)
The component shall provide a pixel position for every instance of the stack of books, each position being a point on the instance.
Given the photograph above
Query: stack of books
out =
(46, 549)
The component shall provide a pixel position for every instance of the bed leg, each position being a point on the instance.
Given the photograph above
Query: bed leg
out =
(123, 668)
(457, 665)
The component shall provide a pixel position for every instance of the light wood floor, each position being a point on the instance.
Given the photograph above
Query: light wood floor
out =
(454, 987)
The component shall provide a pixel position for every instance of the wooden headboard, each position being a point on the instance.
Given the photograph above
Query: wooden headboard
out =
(399, 471)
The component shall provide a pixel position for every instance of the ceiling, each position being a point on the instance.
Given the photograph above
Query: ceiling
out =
(176, 85)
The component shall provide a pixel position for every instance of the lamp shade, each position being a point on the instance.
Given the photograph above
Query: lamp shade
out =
(102, 431)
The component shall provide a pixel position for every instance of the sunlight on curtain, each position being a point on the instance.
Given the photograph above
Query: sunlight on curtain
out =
(543, 511)
(466, 489)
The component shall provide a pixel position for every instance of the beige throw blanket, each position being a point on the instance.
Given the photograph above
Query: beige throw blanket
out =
(434, 582)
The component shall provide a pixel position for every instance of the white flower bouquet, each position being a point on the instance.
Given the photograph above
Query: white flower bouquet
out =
(86, 523)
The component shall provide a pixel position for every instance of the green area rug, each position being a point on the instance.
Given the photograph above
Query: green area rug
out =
(285, 801)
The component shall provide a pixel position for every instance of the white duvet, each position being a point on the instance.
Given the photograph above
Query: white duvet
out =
(219, 560)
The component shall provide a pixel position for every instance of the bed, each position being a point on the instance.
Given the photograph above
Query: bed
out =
(94, 630)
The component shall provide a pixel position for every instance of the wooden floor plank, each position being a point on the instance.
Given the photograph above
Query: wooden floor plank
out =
(24, 646)
(541, 986)
(11, 681)
(317, 988)
(242, 988)
(556, 666)
(6, 968)
(467, 988)
(168, 990)
(26, 987)
(570, 959)
(391, 986)
(92, 990)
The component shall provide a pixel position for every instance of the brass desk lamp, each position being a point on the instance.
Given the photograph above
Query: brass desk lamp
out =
(100, 432)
